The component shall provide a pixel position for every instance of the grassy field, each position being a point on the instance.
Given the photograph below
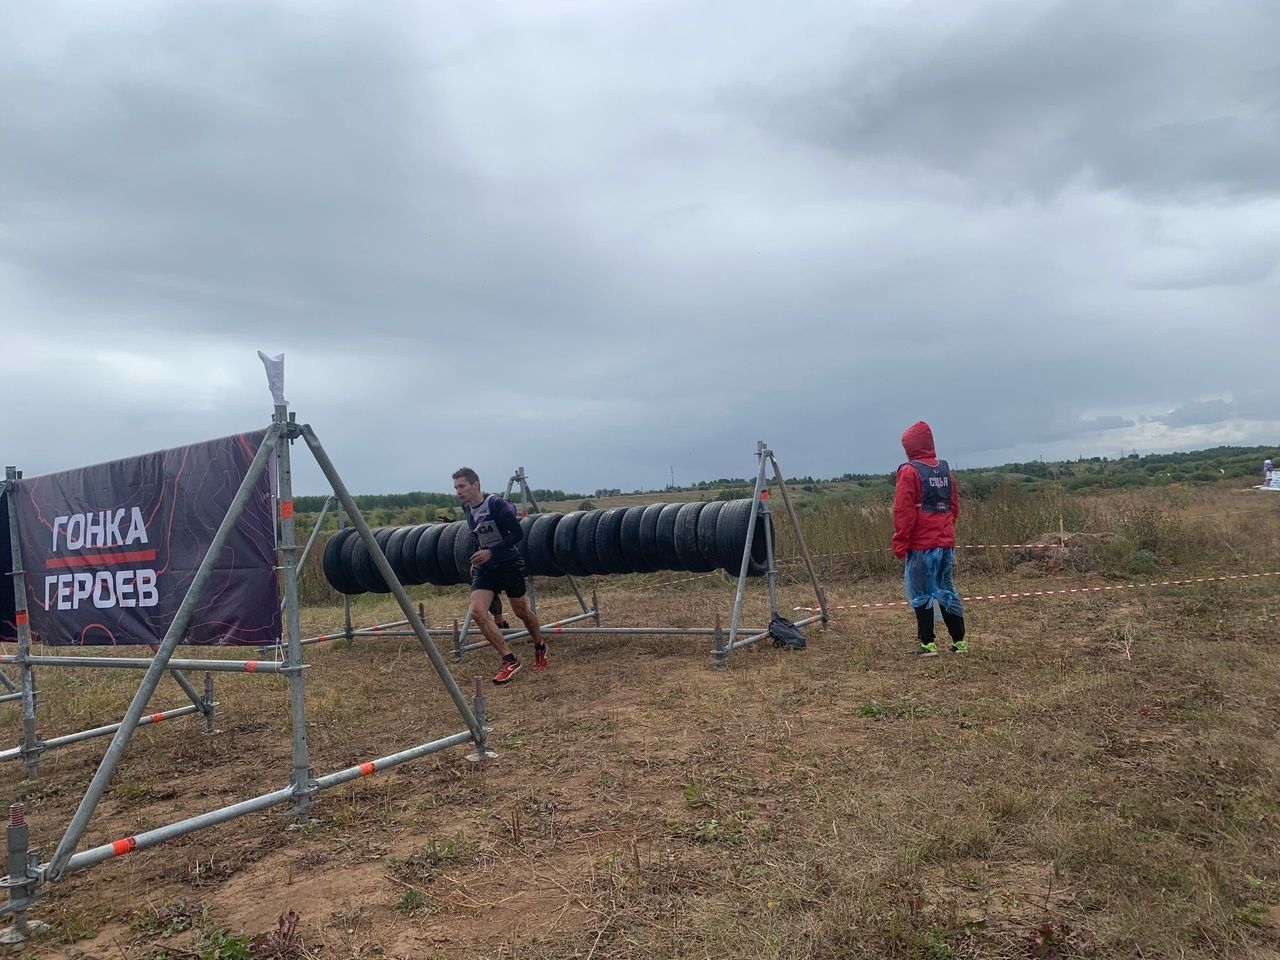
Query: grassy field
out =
(1098, 778)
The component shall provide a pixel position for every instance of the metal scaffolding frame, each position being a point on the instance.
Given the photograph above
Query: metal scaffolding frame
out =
(724, 642)
(26, 872)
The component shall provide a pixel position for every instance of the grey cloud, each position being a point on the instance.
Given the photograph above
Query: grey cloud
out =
(1110, 422)
(1152, 97)
(1197, 412)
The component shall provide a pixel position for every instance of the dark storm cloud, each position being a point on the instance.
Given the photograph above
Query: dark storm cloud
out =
(609, 242)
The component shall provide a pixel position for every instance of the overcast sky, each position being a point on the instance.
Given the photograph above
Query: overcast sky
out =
(609, 240)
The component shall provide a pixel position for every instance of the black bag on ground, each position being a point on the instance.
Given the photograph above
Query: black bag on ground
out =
(786, 634)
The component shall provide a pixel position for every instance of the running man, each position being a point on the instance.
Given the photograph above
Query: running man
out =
(496, 568)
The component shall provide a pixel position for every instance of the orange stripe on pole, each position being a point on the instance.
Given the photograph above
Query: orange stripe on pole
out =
(157, 717)
(250, 666)
(286, 509)
(22, 617)
(121, 847)
(366, 769)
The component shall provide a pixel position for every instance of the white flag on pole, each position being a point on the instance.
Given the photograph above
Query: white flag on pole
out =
(275, 376)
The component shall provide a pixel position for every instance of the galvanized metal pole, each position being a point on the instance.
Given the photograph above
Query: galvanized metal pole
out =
(311, 540)
(144, 663)
(26, 675)
(177, 629)
(482, 751)
(302, 776)
(389, 576)
(530, 508)
(315, 531)
(736, 620)
(19, 880)
(795, 523)
(54, 742)
(577, 592)
(7, 683)
(150, 838)
(346, 600)
(768, 545)
(187, 687)
(209, 702)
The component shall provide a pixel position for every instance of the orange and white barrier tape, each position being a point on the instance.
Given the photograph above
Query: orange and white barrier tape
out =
(959, 546)
(1011, 546)
(1018, 595)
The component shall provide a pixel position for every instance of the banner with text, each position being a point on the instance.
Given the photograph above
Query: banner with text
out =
(110, 550)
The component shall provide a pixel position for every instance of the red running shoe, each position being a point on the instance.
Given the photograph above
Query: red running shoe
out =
(509, 669)
(540, 657)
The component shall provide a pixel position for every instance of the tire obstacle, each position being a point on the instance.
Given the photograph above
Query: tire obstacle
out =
(736, 536)
(27, 872)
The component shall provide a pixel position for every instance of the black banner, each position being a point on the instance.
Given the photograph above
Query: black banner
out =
(110, 550)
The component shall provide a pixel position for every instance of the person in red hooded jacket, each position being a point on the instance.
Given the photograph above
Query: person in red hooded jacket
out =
(926, 504)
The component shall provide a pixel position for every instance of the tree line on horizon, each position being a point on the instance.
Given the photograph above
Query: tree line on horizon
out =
(1194, 466)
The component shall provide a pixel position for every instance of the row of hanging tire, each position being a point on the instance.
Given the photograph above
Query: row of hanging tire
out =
(697, 537)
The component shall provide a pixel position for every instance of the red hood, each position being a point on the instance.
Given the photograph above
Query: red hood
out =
(917, 441)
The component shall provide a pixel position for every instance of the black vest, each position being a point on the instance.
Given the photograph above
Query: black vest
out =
(935, 482)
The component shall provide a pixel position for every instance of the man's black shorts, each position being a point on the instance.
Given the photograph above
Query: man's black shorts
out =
(505, 578)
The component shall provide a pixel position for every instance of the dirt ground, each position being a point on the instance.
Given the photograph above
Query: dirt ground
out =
(1097, 778)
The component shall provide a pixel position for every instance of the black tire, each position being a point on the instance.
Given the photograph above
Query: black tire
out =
(686, 539)
(564, 543)
(707, 533)
(633, 552)
(393, 551)
(362, 567)
(425, 563)
(609, 556)
(526, 526)
(541, 539)
(446, 569)
(647, 539)
(339, 577)
(464, 545)
(383, 538)
(731, 537)
(584, 542)
(409, 554)
(665, 536)
(348, 561)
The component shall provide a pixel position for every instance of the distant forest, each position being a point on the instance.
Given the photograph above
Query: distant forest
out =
(1157, 469)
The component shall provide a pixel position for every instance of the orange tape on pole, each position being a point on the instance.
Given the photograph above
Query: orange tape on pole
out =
(286, 509)
(366, 769)
(156, 717)
(22, 617)
(121, 847)
(250, 666)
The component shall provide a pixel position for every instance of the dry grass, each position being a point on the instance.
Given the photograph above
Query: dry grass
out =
(1097, 779)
